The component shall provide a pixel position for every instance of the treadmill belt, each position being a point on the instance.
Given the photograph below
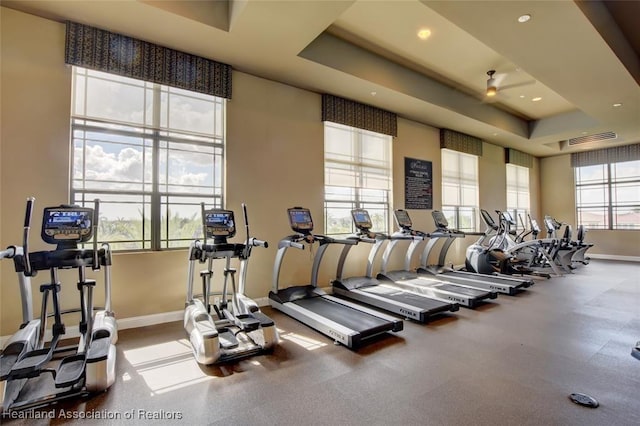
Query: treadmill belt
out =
(515, 282)
(461, 290)
(406, 297)
(344, 315)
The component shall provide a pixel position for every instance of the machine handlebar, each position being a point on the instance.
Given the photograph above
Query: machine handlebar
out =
(9, 253)
(25, 236)
(258, 243)
(296, 245)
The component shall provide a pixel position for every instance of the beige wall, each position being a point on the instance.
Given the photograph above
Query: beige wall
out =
(274, 160)
(35, 134)
(558, 200)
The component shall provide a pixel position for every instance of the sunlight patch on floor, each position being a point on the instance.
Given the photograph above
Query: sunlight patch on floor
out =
(305, 341)
(166, 366)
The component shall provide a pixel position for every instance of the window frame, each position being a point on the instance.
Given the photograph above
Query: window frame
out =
(358, 197)
(608, 183)
(157, 140)
(517, 187)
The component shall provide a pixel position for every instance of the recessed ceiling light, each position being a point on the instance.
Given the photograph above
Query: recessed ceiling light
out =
(536, 99)
(521, 96)
(424, 34)
(617, 105)
(374, 93)
(494, 134)
(524, 18)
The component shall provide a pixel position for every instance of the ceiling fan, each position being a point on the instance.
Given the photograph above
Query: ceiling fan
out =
(494, 86)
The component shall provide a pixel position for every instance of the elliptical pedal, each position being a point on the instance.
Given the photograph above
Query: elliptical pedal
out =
(31, 364)
(265, 321)
(227, 339)
(70, 370)
(10, 356)
(245, 321)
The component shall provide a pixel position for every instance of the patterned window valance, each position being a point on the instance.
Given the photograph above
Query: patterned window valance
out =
(519, 158)
(355, 114)
(105, 51)
(616, 154)
(456, 141)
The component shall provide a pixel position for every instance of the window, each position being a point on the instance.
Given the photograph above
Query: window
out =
(460, 189)
(608, 195)
(151, 154)
(518, 192)
(357, 175)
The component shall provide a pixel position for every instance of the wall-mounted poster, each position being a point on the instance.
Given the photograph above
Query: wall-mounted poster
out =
(418, 191)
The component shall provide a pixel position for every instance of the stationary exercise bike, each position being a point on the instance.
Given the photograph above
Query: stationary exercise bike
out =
(238, 329)
(88, 366)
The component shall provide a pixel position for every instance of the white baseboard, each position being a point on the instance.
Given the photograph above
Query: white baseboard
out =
(146, 320)
(614, 257)
(262, 301)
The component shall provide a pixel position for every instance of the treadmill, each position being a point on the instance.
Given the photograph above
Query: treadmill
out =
(504, 285)
(343, 321)
(410, 280)
(382, 294)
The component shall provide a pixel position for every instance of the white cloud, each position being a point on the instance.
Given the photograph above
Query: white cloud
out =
(127, 166)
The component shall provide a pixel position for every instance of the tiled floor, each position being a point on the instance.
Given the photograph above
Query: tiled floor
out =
(511, 362)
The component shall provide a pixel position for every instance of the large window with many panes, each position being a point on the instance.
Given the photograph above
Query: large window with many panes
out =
(608, 195)
(460, 189)
(151, 153)
(357, 175)
(518, 199)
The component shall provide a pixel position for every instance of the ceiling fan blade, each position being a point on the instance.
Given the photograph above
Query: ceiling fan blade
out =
(514, 85)
(498, 78)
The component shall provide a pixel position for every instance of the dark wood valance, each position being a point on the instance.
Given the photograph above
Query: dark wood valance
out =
(519, 158)
(461, 142)
(105, 51)
(354, 114)
(616, 154)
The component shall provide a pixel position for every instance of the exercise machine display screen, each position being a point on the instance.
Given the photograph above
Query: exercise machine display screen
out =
(67, 223)
(508, 218)
(219, 223)
(300, 219)
(439, 219)
(402, 219)
(361, 219)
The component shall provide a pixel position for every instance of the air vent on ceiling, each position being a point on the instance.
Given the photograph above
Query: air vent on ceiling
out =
(592, 138)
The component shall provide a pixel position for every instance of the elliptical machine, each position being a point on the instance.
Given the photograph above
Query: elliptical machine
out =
(505, 256)
(487, 255)
(239, 329)
(91, 366)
